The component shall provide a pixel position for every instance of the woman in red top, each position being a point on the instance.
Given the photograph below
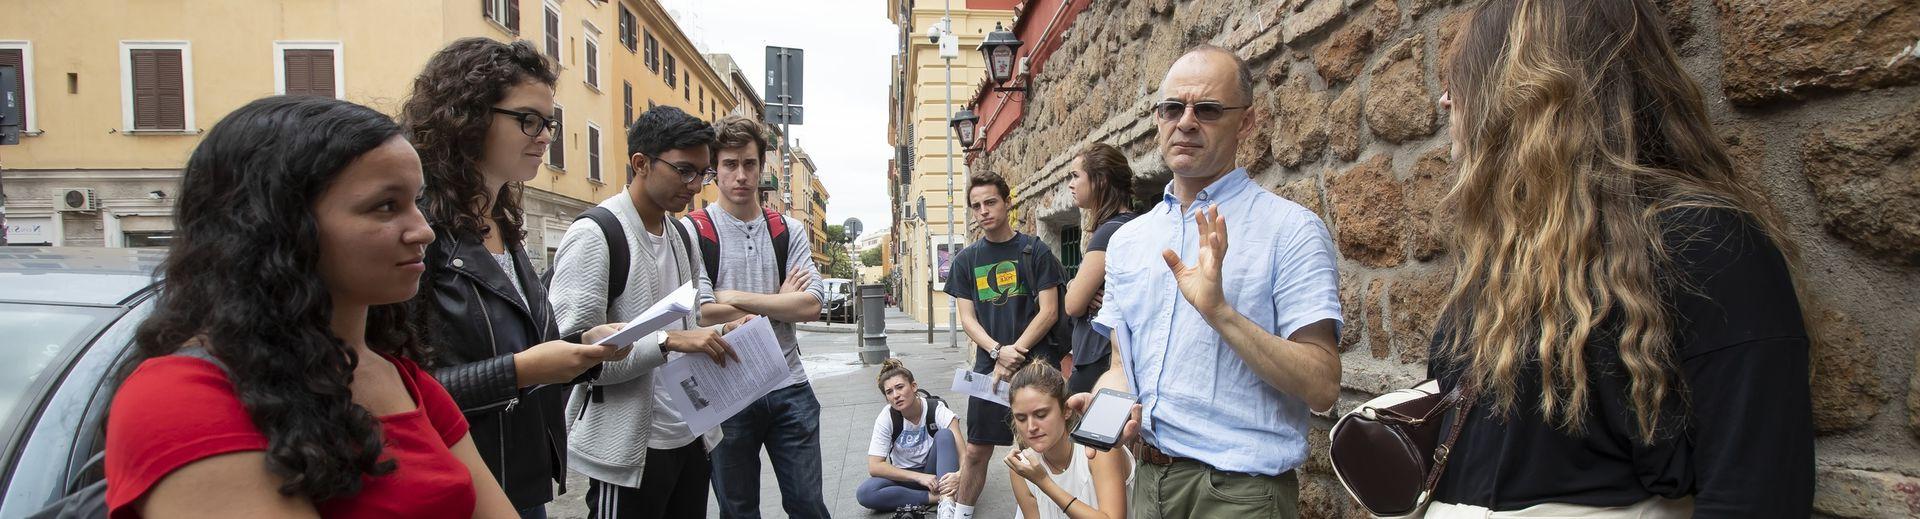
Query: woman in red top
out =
(277, 376)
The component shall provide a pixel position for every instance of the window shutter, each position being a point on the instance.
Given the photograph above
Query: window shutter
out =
(159, 97)
(626, 95)
(309, 72)
(513, 16)
(553, 35)
(557, 149)
(486, 9)
(15, 58)
(593, 153)
(593, 62)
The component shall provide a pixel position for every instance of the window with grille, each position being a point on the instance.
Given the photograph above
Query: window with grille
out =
(1070, 252)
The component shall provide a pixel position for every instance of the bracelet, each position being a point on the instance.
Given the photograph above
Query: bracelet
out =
(1070, 504)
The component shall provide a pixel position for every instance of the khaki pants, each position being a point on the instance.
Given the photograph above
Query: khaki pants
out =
(1191, 489)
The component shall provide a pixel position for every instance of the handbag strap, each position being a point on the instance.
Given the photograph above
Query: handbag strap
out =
(1462, 399)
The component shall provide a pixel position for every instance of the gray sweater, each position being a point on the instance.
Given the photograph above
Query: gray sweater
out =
(609, 441)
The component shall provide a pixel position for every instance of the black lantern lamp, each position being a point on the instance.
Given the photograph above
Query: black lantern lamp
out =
(964, 123)
(1001, 50)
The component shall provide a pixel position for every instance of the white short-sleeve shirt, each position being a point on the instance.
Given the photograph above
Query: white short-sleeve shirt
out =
(911, 449)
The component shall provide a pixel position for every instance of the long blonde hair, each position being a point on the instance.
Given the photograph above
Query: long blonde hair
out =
(1580, 131)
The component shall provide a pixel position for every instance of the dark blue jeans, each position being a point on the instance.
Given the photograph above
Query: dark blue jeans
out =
(787, 423)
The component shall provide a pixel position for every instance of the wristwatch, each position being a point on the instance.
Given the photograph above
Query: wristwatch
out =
(994, 353)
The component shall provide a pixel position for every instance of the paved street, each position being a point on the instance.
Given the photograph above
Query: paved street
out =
(849, 400)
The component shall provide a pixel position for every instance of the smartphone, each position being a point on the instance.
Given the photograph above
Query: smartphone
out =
(1101, 427)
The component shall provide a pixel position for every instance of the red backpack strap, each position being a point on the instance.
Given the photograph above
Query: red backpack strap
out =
(709, 243)
(777, 232)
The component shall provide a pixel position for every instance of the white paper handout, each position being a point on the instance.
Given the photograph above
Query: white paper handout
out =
(977, 385)
(668, 309)
(705, 394)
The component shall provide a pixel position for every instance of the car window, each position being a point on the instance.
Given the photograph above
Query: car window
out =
(33, 337)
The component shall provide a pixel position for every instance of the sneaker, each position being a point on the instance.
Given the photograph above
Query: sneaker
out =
(946, 509)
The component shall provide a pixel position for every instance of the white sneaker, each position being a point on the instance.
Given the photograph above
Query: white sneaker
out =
(946, 509)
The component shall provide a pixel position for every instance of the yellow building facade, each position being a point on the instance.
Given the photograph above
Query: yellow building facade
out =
(918, 129)
(118, 93)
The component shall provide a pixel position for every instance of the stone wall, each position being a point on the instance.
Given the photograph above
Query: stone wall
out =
(1819, 100)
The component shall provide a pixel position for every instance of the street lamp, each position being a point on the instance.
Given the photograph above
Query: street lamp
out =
(963, 123)
(999, 49)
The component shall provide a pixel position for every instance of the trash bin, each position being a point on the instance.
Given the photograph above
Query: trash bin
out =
(872, 306)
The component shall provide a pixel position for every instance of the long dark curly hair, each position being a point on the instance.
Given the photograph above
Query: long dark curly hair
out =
(447, 117)
(241, 280)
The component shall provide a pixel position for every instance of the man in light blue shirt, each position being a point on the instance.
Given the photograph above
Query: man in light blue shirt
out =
(1227, 348)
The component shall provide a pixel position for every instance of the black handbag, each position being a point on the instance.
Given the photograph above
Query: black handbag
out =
(1389, 452)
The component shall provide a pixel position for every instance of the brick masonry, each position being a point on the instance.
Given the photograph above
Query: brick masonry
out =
(1818, 99)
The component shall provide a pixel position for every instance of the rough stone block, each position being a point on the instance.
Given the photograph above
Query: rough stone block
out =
(1449, 31)
(1343, 124)
(1846, 492)
(1314, 16)
(1343, 55)
(1421, 7)
(1369, 213)
(1913, 399)
(1306, 192)
(1399, 106)
(1351, 310)
(1847, 388)
(1374, 318)
(1864, 175)
(1416, 303)
(1788, 49)
(1300, 121)
(1679, 15)
(1433, 176)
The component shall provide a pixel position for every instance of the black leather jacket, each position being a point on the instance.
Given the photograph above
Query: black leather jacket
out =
(476, 321)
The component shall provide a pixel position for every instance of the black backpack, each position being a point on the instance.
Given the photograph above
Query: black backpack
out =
(1059, 340)
(617, 260)
(617, 265)
(86, 493)
(933, 402)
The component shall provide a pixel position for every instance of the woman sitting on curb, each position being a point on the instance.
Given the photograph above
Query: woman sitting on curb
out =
(916, 448)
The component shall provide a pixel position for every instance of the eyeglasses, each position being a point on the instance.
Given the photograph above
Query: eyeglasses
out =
(687, 174)
(1205, 111)
(531, 123)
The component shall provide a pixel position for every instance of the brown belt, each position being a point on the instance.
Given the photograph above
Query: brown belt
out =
(1149, 454)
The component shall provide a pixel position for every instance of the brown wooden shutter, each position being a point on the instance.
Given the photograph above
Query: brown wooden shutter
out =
(16, 59)
(159, 90)
(593, 153)
(486, 9)
(557, 149)
(309, 72)
(513, 16)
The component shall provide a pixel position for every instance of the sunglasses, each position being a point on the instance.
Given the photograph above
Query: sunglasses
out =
(1205, 111)
(530, 123)
(687, 174)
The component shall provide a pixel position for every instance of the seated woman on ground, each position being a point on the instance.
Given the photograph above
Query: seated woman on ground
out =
(915, 454)
(1052, 477)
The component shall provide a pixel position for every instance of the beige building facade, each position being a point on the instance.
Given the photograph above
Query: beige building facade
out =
(118, 93)
(918, 130)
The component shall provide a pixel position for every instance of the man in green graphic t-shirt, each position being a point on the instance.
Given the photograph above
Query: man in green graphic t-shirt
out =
(1006, 285)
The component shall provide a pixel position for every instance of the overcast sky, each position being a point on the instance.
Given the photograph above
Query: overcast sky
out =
(849, 47)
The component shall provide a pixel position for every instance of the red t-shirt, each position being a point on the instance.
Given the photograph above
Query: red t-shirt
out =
(176, 410)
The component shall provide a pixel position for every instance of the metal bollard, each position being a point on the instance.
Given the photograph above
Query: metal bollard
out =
(873, 323)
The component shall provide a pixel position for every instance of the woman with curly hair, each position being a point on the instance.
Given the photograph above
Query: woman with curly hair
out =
(1624, 304)
(277, 376)
(481, 115)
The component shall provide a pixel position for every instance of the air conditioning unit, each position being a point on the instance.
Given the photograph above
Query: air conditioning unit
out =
(76, 199)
